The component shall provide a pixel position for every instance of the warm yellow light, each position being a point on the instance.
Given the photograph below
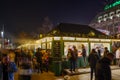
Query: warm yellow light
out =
(57, 38)
(82, 39)
(68, 38)
(49, 39)
(93, 39)
(41, 35)
(105, 40)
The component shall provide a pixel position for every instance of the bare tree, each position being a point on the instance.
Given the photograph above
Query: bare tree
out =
(45, 26)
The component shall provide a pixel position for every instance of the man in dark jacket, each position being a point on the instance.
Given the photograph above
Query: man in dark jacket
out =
(92, 59)
(103, 71)
(39, 55)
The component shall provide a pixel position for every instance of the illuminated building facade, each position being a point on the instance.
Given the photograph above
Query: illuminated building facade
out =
(108, 21)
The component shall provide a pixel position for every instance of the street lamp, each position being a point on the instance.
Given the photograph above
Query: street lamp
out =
(2, 35)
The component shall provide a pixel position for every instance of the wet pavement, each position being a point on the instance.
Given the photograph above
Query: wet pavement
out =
(84, 75)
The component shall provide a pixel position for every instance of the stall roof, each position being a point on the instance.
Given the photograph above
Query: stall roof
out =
(78, 30)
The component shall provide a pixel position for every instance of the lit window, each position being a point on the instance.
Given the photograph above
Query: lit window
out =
(99, 18)
(118, 13)
(104, 19)
(99, 21)
(106, 15)
(111, 15)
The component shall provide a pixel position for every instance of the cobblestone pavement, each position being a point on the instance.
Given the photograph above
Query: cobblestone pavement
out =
(85, 70)
(42, 76)
(115, 76)
(84, 76)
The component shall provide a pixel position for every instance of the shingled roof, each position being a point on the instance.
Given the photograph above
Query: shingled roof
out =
(68, 29)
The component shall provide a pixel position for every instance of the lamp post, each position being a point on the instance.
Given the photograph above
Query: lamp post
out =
(2, 36)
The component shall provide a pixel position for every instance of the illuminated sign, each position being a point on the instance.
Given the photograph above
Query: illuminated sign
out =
(112, 5)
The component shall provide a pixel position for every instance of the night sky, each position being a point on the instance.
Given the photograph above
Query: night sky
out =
(27, 15)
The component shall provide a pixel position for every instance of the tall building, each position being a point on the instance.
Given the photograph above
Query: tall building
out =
(108, 21)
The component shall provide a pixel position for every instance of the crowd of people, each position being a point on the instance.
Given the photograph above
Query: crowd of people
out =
(99, 63)
(38, 61)
(73, 57)
(13, 60)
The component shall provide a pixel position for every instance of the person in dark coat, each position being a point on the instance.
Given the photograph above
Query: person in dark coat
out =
(1, 66)
(84, 54)
(103, 71)
(92, 59)
(5, 67)
(39, 55)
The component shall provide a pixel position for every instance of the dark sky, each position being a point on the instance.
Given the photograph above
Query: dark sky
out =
(27, 15)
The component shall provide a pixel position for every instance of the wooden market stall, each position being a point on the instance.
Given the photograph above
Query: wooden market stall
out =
(65, 35)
